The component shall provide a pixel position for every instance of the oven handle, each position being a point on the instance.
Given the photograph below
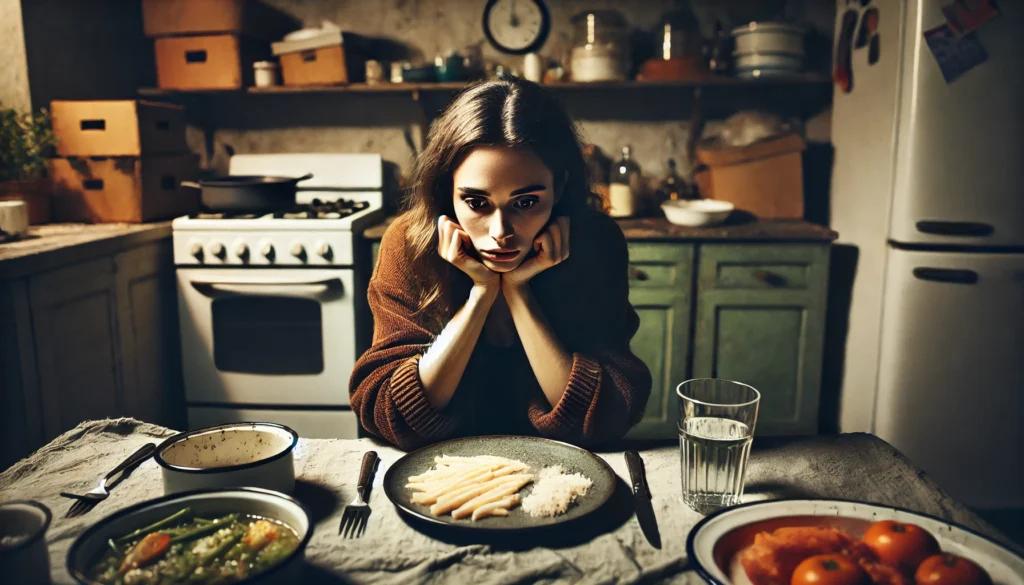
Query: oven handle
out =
(255, 286)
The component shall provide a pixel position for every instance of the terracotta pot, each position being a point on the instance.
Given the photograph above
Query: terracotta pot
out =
(37, 194)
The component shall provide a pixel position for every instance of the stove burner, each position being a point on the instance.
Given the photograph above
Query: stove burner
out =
(316, 210)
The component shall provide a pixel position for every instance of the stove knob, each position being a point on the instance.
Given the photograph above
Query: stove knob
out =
(267, 249)
(298, 251)
(242, 250)
(217, 249)
(323, 249)
(196, 250)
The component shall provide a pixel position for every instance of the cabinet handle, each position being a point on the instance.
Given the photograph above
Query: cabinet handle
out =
(637, 274)
(946, 275)
(955, 228)
(770, 278)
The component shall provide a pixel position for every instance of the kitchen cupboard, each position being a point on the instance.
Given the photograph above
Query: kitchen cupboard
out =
(93, 338)
(744, 303)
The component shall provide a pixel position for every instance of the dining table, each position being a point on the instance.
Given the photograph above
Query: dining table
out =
(607, 547)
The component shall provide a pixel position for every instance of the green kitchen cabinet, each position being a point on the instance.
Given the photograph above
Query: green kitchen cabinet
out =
(660, 285)
(760, 315)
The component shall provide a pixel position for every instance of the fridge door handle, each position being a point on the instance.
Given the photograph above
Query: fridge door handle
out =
(955, 228)
(951, 275)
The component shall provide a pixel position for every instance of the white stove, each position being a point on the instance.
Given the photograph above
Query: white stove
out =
(272, 305)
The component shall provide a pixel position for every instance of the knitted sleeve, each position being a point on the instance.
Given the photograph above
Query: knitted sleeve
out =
(385, 388)
(608, 385)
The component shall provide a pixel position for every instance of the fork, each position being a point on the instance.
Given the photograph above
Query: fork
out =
(356, 514)
(88, 500)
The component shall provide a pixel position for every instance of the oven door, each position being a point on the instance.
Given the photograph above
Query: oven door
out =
(267, 336)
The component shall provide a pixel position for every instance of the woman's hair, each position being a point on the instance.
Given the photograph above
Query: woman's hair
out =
(508, 112)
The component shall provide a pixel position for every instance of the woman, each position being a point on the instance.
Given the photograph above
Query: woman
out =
(484, 321)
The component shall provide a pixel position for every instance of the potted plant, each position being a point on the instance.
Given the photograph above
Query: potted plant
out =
(26, 142)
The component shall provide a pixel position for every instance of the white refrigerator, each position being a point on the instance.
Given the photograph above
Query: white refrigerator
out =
(928, 189)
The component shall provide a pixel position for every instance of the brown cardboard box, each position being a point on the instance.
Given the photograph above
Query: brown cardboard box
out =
(118, 128)
(764, 178)
(206, 62)
(162, 18)
(323, 66)
(131, 190)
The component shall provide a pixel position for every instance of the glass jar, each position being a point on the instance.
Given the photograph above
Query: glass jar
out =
(600, 50)
(679, 36)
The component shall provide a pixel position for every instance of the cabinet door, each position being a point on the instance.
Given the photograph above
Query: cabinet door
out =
(660, 281)
(148, 330)
(74, 317)
(21, 428)
(760, 321)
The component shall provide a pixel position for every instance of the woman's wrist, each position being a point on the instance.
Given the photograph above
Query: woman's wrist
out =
(517, 289)
(485, 293)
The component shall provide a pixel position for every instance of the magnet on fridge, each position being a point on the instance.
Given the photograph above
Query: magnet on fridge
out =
(964, 16)
(956, 55)
(842, 70)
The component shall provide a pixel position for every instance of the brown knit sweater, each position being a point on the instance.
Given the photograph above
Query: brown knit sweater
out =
(586, 301)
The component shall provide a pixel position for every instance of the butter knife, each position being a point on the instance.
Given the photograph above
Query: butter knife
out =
(642, 499)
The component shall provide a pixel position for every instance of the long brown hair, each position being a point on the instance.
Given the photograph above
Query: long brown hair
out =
(507, 112)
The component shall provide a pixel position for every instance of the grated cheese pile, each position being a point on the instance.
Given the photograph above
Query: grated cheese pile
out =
(554, 490)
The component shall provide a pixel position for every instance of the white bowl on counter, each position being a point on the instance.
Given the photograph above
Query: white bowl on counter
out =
(249, 454)
(92, 543)
(769, 37)
(697, 212)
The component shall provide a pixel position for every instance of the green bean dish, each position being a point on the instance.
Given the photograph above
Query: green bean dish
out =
(185, 549)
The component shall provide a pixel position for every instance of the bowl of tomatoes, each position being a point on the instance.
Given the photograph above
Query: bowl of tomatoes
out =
(839, 542)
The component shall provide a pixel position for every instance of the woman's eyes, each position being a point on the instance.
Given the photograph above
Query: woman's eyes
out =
(475, 204)
(525, 203)
(522, 204)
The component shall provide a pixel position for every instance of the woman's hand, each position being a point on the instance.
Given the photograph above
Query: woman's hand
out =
(552, 246)
(452, 243)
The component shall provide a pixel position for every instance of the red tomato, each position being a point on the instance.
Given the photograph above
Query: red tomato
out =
(903, 546)
(834, 569)
(949, 569)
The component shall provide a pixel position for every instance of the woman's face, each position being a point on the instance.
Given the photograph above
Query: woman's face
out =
(503, 198)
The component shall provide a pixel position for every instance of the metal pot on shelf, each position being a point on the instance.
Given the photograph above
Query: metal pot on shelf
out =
(247, 193)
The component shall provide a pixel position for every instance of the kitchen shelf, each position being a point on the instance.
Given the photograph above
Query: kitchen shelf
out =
(723, 81)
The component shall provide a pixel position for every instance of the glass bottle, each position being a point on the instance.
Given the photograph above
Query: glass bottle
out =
(673, 187)
(624, 187)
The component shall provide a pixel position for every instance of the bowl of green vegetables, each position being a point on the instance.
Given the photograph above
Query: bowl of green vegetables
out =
(222, 536)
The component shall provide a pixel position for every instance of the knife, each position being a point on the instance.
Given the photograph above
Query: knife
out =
(642, 499)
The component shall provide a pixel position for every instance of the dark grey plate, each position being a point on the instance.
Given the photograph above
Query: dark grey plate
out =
(534, 451)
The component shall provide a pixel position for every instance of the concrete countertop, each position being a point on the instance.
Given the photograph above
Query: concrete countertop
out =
(659, 229)
(49, 246)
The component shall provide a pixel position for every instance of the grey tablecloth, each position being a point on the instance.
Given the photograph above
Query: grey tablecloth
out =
(611, 550)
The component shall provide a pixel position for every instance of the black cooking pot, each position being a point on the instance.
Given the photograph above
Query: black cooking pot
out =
(247, 193)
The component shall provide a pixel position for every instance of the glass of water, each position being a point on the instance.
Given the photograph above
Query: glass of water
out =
(716, 427)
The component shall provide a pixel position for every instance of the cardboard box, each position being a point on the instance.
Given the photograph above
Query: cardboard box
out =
(130, 190)
(162, 18)
(325, 66)
(207, 62)
(332, 58)
(764, 178)
(118, 128)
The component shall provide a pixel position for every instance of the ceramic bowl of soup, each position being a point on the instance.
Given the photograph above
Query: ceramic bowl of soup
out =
(249, 454)
(227, 536)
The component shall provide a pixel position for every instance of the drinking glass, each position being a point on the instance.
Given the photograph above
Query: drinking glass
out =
(716, 427)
